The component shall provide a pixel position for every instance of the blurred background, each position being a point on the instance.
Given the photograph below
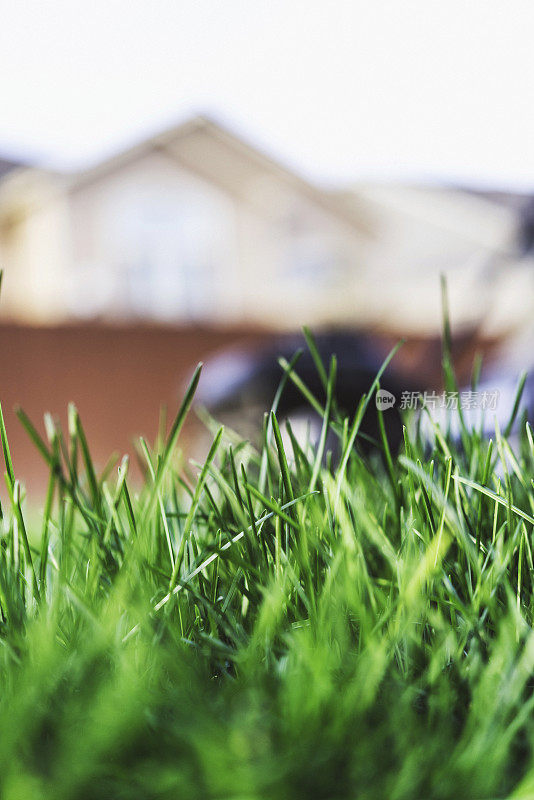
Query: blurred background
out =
(193, 180)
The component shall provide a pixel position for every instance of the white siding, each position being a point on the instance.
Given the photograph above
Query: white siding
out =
(152, 241)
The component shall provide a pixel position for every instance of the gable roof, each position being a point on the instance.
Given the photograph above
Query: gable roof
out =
(219, 156)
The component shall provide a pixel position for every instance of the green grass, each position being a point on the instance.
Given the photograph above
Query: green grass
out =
(271, 624)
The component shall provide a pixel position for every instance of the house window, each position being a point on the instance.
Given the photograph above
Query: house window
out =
(311, 261)
(166, 260)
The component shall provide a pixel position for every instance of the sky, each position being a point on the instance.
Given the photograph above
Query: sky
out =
(338, 90)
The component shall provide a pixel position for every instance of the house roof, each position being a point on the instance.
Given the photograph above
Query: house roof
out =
(459, 211)
(213, 152)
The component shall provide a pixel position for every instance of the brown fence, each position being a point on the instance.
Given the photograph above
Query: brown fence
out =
(118, 376)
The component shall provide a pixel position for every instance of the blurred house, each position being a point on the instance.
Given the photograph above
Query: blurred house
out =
(195, 226)
(477, 240)
(192, 225)
(196, 229)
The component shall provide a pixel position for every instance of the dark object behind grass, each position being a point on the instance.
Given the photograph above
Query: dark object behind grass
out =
(239, 384)
(272, 628)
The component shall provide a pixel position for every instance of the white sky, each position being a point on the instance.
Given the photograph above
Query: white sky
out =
(337, 89)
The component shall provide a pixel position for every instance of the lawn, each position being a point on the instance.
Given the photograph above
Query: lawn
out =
(273, 623)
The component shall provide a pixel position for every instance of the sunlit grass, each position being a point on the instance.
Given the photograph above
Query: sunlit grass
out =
(282, 625)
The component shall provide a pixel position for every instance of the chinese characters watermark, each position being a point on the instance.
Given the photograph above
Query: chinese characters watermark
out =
(468, 399)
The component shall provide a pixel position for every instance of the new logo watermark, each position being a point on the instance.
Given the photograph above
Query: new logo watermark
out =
(384, 400)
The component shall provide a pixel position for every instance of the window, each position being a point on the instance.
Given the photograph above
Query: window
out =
(165, 248)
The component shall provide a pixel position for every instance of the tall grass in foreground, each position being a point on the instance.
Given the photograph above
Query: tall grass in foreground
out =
(279, 626)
